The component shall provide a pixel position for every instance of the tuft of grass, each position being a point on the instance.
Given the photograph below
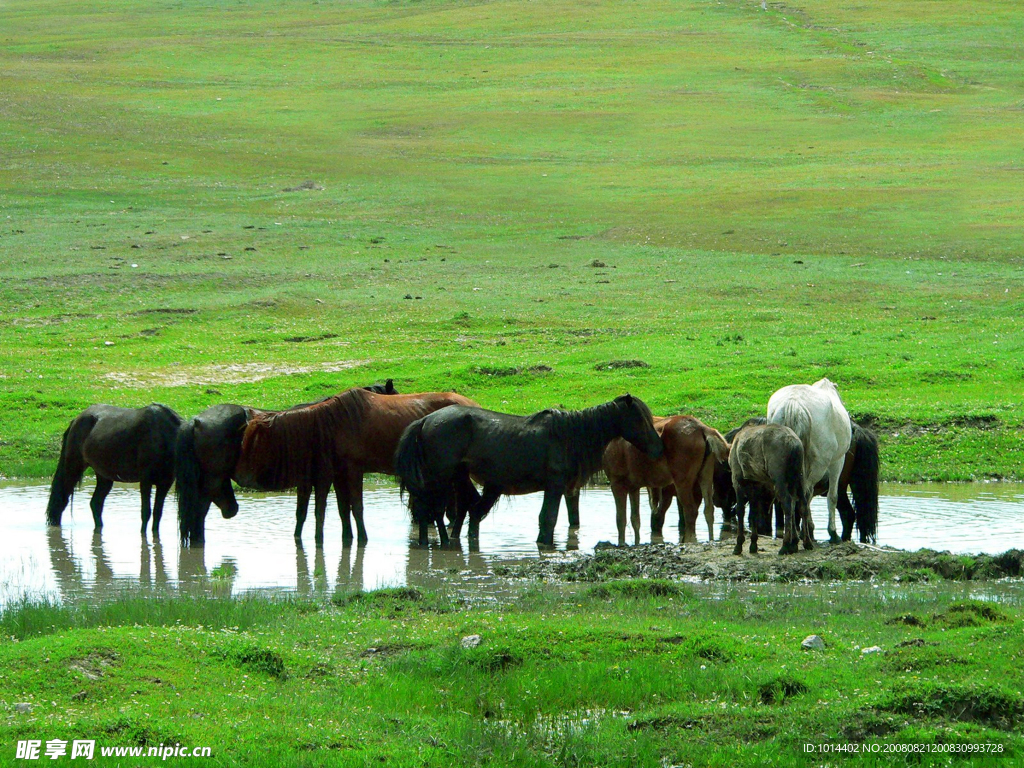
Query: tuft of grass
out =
(638, 589)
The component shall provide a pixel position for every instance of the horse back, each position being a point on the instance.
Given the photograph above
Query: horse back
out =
(371, 447)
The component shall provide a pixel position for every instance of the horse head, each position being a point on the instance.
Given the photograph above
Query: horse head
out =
(825, 383)
(637, 425)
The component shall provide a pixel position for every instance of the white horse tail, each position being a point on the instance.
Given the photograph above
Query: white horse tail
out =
(793, 415)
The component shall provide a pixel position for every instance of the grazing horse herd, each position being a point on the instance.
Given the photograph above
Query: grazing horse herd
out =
(443, 446)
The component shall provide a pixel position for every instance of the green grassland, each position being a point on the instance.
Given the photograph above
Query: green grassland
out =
(820, 189)
(638, 673)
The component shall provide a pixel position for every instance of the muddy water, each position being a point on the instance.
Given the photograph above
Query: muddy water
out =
(256, 550)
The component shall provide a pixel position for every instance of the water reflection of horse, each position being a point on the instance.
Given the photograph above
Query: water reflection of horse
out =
(127, 445)
(334, 442)
(70, 573)
(208, 449)
(551, 451)
(858, 479)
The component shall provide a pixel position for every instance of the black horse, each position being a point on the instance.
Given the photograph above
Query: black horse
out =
(207, 450)
(551, 451)
(767, 462)
(127, 445)
(859, 479)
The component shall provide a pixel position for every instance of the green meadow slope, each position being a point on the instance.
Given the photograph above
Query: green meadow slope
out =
(263, 202)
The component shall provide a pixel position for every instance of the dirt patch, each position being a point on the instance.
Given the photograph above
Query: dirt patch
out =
(616, 365)
(95, 665)
(715, 561)
(484, 370)
(208, 375)
(969, 614)
(305, 186)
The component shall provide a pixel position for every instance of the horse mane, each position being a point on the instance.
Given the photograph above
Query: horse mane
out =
(585, 434)
(284, 448)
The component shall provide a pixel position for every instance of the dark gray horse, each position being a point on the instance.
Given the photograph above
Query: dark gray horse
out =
(767, 462)
(208, 449)
(127, 445)
(551, 451)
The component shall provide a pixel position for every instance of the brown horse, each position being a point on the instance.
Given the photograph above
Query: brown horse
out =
(334, 441)
(685, 471)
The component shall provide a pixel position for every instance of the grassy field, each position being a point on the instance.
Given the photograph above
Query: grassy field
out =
(638, 673)
(264, 202)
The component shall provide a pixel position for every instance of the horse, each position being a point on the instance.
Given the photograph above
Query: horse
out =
(335, 441)
(129, 445)
(767, 462)
(551, 451)
(685, 471)
(819, 418)
(859, 478)
(207, 448)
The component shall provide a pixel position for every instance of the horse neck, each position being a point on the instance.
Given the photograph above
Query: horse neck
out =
(587, 434)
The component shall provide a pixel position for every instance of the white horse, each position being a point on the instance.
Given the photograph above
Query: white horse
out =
(820, 420)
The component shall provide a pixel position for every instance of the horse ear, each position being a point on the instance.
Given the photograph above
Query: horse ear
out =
(389, 387)
(628, 398)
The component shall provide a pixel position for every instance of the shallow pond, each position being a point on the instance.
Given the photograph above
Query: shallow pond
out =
(256, 551)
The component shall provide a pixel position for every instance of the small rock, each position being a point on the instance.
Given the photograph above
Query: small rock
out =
(813, 643)
(872, 649)
(108, 343)
(23, 706)
(470, 641)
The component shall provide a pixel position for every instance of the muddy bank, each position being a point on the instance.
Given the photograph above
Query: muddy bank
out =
(847, 561)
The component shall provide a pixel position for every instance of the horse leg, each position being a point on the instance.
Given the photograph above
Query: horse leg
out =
(634, 516)
(549, 515)
(145, 488)
(741, 499)
(481, 508)
(158, 506)
(846, 512)
(355, 495)
(344, 493)
(758, 511)
(780, 521)
(834, 472)
(572, 507)
(103, 486)
(659, 510)
(301, 510)
(320, 491)
(707, 489)
(619, 493)
(687, 514)
(807, 522)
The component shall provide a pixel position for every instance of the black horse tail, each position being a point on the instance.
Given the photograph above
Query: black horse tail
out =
(410, 459)
(70, 469)
(864, 483)
(793, 474)
(188, 479)
(410, 466)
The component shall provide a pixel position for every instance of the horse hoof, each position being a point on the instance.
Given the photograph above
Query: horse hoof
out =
(808, 545)
(738, 551)
(832, 538)
(753, 549)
